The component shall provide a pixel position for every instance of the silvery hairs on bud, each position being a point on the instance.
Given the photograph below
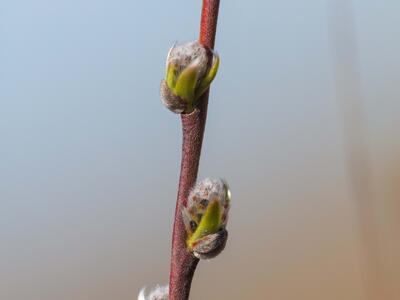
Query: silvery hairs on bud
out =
(157, 293)
(190, 53)
(190, 69)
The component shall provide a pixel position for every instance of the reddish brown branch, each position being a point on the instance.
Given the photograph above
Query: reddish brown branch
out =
(183, 263)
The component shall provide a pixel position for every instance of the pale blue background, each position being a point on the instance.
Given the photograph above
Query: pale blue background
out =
(89, 158)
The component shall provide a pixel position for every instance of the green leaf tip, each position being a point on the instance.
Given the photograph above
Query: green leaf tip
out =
(205, 83)
(210, 223)
(171, 75)
(186, 83)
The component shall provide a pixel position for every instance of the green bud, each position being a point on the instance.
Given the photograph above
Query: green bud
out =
(205, 218)
(190, 69)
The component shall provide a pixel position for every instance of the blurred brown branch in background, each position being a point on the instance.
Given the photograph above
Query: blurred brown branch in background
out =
(348, 93)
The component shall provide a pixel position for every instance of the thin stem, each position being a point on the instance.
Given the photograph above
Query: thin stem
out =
(183, 263)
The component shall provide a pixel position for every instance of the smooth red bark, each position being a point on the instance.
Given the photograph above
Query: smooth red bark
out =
(183, 263)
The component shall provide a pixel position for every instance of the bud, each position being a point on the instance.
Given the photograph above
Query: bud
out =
(205, 218)
(190, 69)
(157, 293)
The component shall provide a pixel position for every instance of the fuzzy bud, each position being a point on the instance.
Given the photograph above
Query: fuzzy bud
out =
(190, 69)
(205, 217)
(157, 293)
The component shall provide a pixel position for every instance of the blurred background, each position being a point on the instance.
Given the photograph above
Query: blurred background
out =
(303, 123)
